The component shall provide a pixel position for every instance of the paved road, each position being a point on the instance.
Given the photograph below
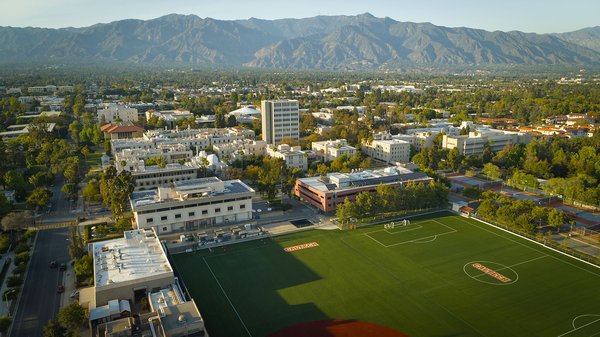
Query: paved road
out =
(61, 208)
(40, 302)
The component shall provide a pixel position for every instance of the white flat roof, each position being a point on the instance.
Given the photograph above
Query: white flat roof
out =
(137, 255)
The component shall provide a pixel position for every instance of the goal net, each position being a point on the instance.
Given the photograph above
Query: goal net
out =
(393, 224)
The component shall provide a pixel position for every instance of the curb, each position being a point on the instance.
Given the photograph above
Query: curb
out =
(24, 280)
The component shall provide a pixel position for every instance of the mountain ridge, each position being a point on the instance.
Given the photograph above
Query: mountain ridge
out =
(321, 42)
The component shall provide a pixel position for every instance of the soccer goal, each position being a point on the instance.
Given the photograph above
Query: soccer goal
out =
(393, 224)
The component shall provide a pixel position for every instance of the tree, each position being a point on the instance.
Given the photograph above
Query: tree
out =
(556, 218)
(91, 191)
(15, 221)
(116, 189)
(220, 120)
(454, 159)
(492, 171)
(4, 324)
(5, 205)
(39, 197)
(54, 329)
(72, 317)
(84, 267)
(231, 121)
(487, 209)
(76, 244)
(14, 180)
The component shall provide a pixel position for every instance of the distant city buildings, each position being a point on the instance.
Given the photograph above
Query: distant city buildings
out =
(280, 119)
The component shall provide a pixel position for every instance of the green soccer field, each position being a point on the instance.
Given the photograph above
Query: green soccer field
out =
(440, 275)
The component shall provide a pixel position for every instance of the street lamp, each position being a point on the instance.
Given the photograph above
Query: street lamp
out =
(6, 293)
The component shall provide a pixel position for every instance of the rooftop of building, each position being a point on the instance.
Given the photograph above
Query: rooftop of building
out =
(137, 255)
(189, 189)
(340, 181)
(121, 127)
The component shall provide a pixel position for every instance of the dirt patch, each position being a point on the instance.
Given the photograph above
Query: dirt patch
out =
(337, 328)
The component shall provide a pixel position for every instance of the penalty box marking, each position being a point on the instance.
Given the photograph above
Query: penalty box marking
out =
(596, 321)
(434, 236)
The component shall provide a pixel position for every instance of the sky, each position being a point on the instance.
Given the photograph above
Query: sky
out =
(538, 16)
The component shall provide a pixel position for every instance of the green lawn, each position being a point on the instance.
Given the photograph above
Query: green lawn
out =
(442, 275)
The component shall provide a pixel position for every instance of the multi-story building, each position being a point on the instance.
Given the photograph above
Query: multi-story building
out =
(172, 153)
(128, 271)
(292, 155)
(152, 176)
(475, 141)
(332, 149)
(42, 90)
(118, 113)
(327, 192)
(121, 130)
(280, 119)
(192, 204)
(388, 150)
(240, 148)
(170, 116)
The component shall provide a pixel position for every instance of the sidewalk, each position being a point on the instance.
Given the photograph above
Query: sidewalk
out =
(5, 305)
(68, 281)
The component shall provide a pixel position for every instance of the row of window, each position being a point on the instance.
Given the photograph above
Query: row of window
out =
(193, 214)
(214, 202)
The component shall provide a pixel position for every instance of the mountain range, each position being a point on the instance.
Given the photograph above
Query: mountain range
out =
(321, 42)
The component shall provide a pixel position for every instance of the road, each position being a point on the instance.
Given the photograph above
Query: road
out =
(61, 208)
(40, 302)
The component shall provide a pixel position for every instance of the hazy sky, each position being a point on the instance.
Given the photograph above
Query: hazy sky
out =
(540, 16)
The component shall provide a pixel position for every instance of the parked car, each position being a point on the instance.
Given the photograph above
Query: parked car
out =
(63, 267)
(53, 264)
(60, 289)
(75, 294)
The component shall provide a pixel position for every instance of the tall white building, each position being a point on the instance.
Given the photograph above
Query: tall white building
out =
(280, 119)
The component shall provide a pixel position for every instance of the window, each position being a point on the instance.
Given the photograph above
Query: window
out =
(242, 206)
(230, 208)
(204, 212)
(163, 218)
(217, 210)
(191, 213)
(165, 229)
(177, 216)
(150, 220)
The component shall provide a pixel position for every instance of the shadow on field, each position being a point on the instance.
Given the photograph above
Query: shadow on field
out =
(237, 288)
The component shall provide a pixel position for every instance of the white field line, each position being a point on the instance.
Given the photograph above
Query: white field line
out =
(538, 243)
(452, 230)
(228, 300)
(583, 326)
(514, 265)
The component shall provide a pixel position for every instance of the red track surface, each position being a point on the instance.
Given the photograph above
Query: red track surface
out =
(337, 328)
